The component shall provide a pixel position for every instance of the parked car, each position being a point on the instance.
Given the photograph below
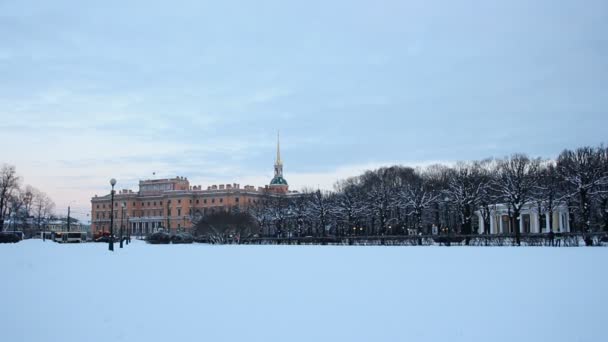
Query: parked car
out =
(105, 238)
(9, 238)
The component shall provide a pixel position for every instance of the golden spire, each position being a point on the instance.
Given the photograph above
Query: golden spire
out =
(279, 162)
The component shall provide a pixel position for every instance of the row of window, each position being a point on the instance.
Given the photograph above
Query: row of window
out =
(179, 201)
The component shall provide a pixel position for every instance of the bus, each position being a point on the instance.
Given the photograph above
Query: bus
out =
(70, 237)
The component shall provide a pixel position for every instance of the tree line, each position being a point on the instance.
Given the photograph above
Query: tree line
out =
(23, 208)
(401, 200)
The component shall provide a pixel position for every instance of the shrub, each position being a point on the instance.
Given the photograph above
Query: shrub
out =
(159, 238)
(182, 238)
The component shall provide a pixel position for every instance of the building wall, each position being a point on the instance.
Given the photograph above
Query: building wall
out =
(149, 210)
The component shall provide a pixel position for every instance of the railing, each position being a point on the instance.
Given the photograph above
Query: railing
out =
(558, 239)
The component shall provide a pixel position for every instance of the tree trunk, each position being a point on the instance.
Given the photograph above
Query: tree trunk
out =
(515, 221)
(585, 212)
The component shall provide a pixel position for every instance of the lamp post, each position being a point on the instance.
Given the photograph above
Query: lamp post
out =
(447, 217)
(122, 216)
(111, 243)
(128, 229)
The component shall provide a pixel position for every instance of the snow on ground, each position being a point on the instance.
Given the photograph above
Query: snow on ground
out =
(53, 292)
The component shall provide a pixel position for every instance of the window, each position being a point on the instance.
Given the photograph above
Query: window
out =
(148, 204)
(160, 203)
(196, 201)
(133, 203)
(179, 211)
(98, 206)
(179, 201)
(190, 201)
(213, 200)
(98, 216)
(221, 200)
(155, 204)
(205, 201)
(236, 199)
(116, 204)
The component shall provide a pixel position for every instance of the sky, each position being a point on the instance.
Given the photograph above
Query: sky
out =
(125, 89)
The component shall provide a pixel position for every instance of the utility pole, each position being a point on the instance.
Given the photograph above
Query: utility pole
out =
(69, 218)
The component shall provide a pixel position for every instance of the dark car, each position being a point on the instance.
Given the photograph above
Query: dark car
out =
(104, 239)
(9, 238)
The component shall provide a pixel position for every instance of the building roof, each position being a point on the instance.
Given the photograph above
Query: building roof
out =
(278, 181)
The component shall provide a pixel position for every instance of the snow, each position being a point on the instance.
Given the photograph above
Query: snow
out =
(53, 292)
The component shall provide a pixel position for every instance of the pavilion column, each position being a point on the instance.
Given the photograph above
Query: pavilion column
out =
(536, 222)
(547, 222)
(501, 224)
(481, 224)
(492, 223)
(521, 223)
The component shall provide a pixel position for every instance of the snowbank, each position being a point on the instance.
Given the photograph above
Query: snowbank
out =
(53, 292)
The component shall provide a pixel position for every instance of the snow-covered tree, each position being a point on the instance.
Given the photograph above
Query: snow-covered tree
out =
(514, 185)
(584, 175)
(320, 211)
(348, 206)
(548, 192)
(418, 195)
(467, 184)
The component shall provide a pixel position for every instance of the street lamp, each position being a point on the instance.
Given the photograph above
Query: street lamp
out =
(447, 219)
(111, 243)
(128, 229)
(122, 216)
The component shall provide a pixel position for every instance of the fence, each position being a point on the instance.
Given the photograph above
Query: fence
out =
(558, 240)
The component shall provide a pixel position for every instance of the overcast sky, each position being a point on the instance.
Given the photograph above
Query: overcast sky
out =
(199, 89)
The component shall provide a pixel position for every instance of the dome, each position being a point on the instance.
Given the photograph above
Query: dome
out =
(278, 181)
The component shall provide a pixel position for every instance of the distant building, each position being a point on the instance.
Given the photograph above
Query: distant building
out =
(62, 226)
(531, 220)
(173, 204)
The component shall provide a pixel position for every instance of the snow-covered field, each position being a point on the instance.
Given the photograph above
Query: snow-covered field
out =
(53, 292)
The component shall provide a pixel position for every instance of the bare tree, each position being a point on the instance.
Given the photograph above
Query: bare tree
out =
(515, 182)
(9, 183)
(380, 190)
(548, 191)
(42, 208)
(349, 208)
(418, 195)
(300, 207)
(320, 211)
(583, 173)
(260, 211)
(466, 186)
